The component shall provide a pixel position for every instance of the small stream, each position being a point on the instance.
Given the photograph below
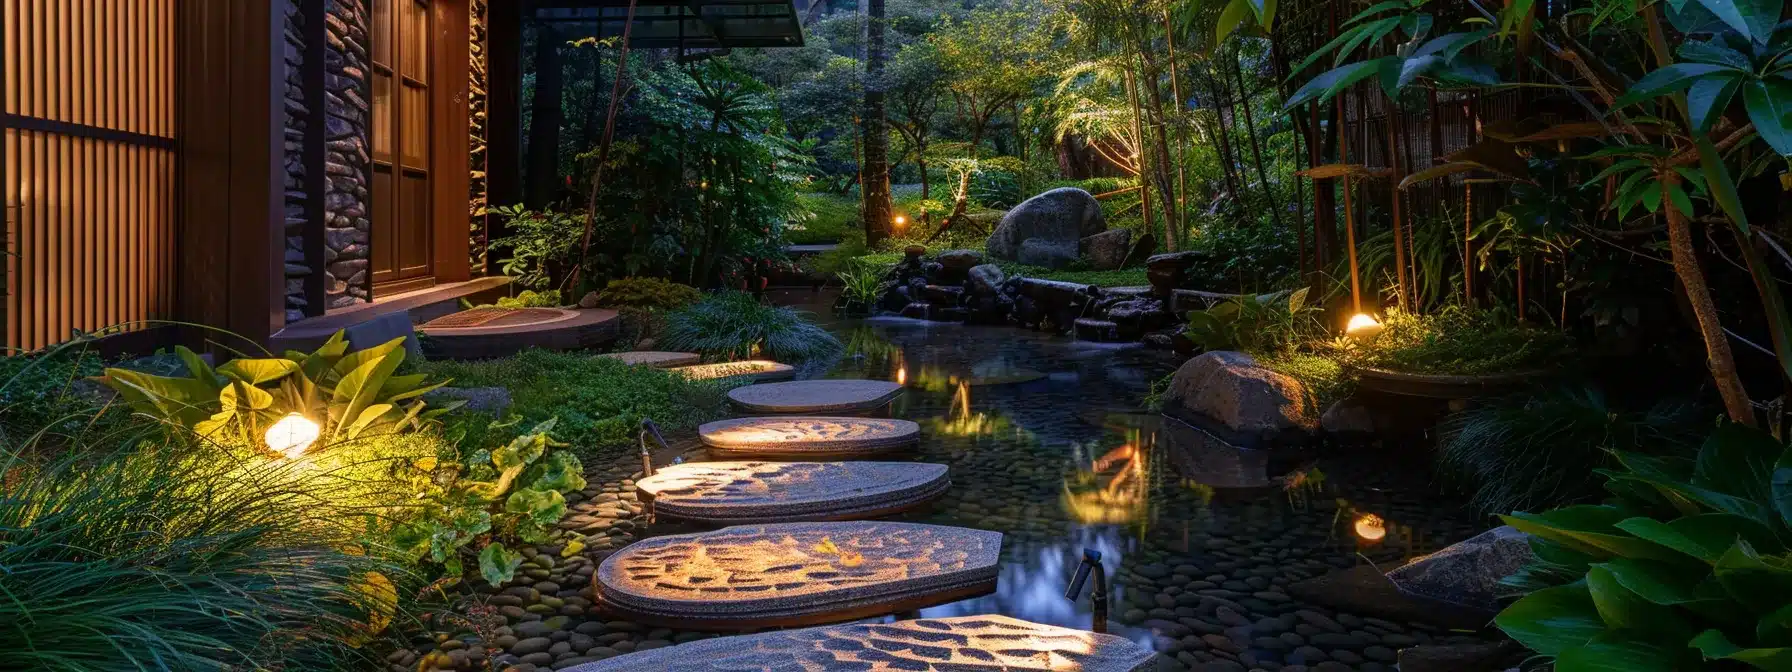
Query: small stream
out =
(1049, 443)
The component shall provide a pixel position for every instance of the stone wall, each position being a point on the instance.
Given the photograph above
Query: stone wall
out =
(297, 267)
(476, 130)
(347, 229)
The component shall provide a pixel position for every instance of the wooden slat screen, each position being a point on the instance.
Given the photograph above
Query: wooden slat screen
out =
(87, 166)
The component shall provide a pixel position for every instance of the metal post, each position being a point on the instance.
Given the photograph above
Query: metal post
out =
(1098, 596)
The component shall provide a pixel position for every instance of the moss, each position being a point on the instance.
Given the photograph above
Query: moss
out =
(1324, 378)
(1460, 341)
(648, 293)
(599, 401)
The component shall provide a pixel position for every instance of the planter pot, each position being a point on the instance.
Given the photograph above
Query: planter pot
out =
(1444, 386)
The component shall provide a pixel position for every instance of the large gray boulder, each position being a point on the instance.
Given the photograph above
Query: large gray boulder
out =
(1466, 573)
(1242, 401)
(1046, 230)
(1107, 250)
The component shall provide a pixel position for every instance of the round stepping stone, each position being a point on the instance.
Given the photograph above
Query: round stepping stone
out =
(753, 576)
(959, 642)
(753, 369)
(809, 436)
(655, 358)
(816, 396)
(733, 493)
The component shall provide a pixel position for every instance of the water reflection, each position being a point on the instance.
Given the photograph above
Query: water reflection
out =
(1113, 489)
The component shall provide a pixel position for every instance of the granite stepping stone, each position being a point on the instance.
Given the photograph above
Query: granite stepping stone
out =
(753, 369)
(816, 396)
(959, 642)
(655, 358)
(733, 493)
(752, 576)
(811, 437)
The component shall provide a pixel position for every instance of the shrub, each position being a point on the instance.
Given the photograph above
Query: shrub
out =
(544, 245)
(1536, 450)
(41, 394)
(1256, 325)
(1686, 566)
(596, 402)
(529, 298)
(1460, 341)
(647, 293)
(861, 281)
(736, 325)
(161, 556)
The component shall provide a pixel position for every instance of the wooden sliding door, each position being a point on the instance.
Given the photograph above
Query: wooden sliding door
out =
(404, 117)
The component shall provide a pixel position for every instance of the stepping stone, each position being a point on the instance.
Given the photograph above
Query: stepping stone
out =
(959, 642)
(753, 576)
(733, 493)
(655, 358)
(754, 369)
(816, 396)
(809, 436)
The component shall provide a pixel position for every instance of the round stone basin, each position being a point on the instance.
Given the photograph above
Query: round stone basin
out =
(810, 436)
(753, 369)
(816, 396)
(753, 576)
(655, 358)
(732, 493)
(960, 642)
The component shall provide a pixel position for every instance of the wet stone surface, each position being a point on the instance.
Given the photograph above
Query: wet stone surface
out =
(1057, 464)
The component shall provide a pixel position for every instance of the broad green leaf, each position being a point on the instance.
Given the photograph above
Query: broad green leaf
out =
(1650, 193)
(1708, 499)
(1413, 68)
(1466, 70)
(1705, 537)
(1589, 529)
(1624, 651)
(1753, 19)
(1715, 53)
(1681, 201)
(1552, 620)
(1716, 646)
(1623, 609)
(522, 450)
(368, 418)
(1738, 460)
(1377, 8)
(1664, 81)
(1764, 585)
(1614, 169)
(542, 507)
(1707, 98)
(258, 371)
(498, 564)
(196, 365)
(1369, 33)
(1231, 19)
(1448, 45)
(1330, 82)
(1658, 582)
(1769, 105)
(184, 400)
(1775, 628)
(355, 360)
(1265, 11)
(1319, 53)
(361, 387)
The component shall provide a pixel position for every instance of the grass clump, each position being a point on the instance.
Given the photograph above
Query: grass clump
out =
(1538, 450)
(1325, 380)
(647, 293)
(1461, 341)
(597, 402)
(736, 325)
(42, 398)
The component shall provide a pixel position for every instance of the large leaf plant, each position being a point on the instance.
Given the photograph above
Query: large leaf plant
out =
(1688, 565)
(348, 394)
(1415, 55)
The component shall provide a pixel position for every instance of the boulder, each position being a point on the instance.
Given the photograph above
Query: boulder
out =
(959, 260)
(1142, 249)
(1107, 250)
(1243, 402)
(1053, 222)
(1466, 573)
(589, 300)
(1165, 271)
(985, 280)
(1348, 419)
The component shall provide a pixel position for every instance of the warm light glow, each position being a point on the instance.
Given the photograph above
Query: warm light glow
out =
(1370, 528)
(902, 376)
(292, 435)
(1362, 325)
(900, 220)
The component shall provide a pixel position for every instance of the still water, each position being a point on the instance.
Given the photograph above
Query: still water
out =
(1049, 441)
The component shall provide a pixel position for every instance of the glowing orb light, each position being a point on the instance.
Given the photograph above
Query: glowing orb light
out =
(1362, 325)
(292, 435)
(901, 220)
(1370, 527)
(902, 376)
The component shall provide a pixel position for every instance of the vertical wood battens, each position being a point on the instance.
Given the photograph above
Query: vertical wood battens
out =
(86, 166)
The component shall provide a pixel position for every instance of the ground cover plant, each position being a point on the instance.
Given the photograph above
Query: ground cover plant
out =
(736, 325)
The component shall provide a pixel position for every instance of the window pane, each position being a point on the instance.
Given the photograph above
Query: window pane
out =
(381, 36)
(385, 222)
(413, 243)
(415, 38)
(415, 132)
(382, 117)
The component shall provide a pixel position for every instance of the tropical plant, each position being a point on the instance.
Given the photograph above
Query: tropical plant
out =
(510, 494)
(347, 394)
(1686, 565)
(135, 553)
(736, 325)
(1535, 450)
(1256, 324)
(647, 293)
(1440, 58)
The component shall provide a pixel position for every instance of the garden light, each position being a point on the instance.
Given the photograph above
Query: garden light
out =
(1362, 325)
(902, 376)
(292, 435)
(1370, 528)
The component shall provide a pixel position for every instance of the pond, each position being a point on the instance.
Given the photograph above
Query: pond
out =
(1049, 441)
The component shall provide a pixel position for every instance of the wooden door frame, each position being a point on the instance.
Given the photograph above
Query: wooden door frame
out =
(449, 163)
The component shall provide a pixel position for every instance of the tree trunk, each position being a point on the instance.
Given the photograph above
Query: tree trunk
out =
(1250, 129)
(1161, 141)
(1692, 279)
(1138, 156)
(1404, 297)
(874, 185)
(1226, 161)
(546, 114)
(1181, 131)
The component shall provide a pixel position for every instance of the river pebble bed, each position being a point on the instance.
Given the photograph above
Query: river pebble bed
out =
(1049, 442)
